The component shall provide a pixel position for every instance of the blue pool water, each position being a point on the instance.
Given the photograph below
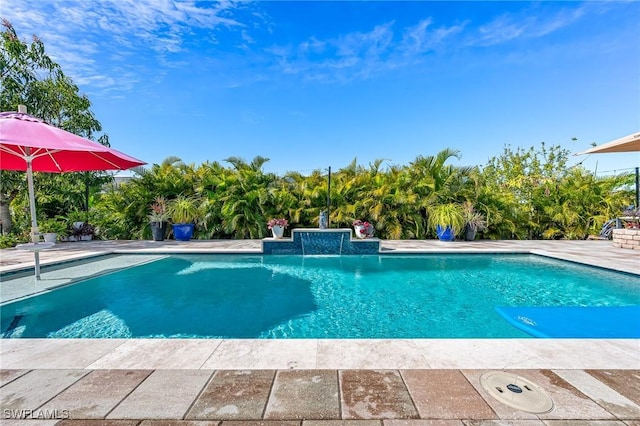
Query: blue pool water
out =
(253, 296)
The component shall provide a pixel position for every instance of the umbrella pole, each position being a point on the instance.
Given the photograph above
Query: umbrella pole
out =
(35, 235)
(32, 203)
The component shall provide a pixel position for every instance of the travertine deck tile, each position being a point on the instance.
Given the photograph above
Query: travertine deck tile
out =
(180, 423)
(625, 382)
(264, 354)
(7, 376)
(159, 353)
(507, 423)
(98, 423)
(341, 423)
(97, 393)
(445, 394)
(236, 394)
(368, 353)
(569, 402)
(15, 422)
(591, 353)
(260, 423)
(308, 394)
(475, 353)
(54, 353)
(423, 423)
(375, 394)
(630, 346)
(165, 394)
(612, 401)
(36, 387)
(585, 423)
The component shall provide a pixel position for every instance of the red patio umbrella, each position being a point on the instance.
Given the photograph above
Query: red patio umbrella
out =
(29, 144)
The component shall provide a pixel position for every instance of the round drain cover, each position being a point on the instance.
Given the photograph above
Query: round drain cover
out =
(516, 392)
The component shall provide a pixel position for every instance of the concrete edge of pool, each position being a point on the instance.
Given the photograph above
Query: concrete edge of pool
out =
(328, 353)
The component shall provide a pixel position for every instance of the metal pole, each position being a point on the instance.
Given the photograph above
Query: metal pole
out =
(35, 235)
(637, 187)
(32, 198)
(329, 199)
(86, 193)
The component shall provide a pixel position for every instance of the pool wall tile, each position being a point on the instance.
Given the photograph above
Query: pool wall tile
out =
(308, 394)
(159, 354)
(234, 394)
(37, 387)
(375, 394)
(97, 393)
(445, 394)
(165, 394)
(321, 242)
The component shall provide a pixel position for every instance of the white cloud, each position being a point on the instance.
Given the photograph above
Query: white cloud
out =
(421, 38)
(143, 37)
(85, 36)
(530, 23)
(361, 55)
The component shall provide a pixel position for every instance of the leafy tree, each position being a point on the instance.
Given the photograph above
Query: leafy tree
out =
(29, 76)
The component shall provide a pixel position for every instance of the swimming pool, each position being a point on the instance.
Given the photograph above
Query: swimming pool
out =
(255, 296)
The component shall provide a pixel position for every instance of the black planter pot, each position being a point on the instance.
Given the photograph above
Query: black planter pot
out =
(158, 230)
(470, 233)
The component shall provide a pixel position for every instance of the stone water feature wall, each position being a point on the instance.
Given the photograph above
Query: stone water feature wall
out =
(627, 238)
(314, 241)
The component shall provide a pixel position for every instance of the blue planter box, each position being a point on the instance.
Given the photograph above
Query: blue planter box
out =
(445, 234)
(182, 231)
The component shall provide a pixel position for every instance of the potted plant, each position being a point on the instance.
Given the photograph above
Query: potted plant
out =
(83, 233)
(362, 229)
(158, 217)
(183, 211)
(277, 227)
(446, 220)
(474, 221)
(51, 229)
(75, 221)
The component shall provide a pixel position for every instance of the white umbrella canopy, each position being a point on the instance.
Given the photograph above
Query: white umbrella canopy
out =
(629, 143)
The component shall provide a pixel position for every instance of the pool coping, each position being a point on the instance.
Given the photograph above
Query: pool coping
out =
(340, 353)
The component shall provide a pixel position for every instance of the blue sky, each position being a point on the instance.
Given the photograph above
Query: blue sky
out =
(317, 84)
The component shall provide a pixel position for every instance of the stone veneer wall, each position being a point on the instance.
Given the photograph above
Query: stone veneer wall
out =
(627, 238)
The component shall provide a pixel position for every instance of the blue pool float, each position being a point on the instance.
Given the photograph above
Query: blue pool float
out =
(610, 322)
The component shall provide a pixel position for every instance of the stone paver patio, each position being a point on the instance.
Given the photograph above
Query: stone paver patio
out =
(313, 382)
